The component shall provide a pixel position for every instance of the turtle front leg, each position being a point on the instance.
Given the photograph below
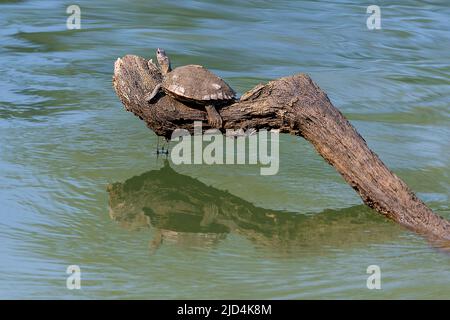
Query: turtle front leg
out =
(149, 97)
(214, 118)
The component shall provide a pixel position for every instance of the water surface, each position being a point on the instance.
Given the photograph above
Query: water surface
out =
(80, 182)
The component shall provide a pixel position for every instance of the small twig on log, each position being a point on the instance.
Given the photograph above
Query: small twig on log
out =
(294, 105)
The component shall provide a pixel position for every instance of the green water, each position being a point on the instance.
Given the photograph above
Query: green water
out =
(227, 231)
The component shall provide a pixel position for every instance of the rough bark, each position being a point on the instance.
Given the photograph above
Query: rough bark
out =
(294, 105)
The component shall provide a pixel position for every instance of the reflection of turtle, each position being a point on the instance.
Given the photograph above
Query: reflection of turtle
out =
(195, 84)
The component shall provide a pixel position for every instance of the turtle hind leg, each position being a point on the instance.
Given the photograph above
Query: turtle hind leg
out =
(214, 118)
(149, 97)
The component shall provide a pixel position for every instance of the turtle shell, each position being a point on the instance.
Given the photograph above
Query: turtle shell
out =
(196, 83)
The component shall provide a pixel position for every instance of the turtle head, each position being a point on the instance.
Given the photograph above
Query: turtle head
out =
(163, 60)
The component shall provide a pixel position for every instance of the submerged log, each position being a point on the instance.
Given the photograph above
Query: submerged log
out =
(294, 105)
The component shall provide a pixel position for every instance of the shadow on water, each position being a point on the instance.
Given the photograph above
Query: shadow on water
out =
(185, 211)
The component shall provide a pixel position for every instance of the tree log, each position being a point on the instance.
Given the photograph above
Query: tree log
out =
(294, 105)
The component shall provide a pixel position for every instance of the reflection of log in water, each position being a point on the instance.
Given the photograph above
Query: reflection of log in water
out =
(183, 209)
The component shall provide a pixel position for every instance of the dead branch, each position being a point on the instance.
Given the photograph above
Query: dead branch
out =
(294, 105)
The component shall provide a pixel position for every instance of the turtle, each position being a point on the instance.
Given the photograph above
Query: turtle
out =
(193, 84)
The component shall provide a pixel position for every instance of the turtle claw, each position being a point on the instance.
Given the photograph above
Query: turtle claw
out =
(215, 123)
